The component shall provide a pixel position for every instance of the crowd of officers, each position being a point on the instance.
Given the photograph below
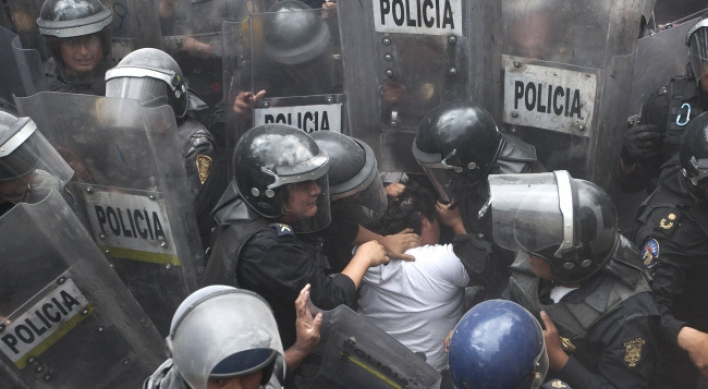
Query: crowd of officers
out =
(619, 309)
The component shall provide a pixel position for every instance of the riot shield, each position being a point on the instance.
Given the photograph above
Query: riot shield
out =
(401, 59)
(660, 57)
(568, 78)
(10, 82)
(283, 67)
(66, 319)
(356, 354)
(191, 33)
(131, 180)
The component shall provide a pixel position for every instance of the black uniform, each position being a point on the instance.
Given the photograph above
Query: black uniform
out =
(672, 228)
(663, 109)
(332, 247)
(274, 262)
(611, 321)
(486, 263)
(205, 173)
(56, 83)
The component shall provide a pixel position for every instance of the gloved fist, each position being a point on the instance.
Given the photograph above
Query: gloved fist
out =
(641, 143)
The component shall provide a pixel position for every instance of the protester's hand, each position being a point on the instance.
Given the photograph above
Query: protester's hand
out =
(374, 252)
(395, 189)
(557, 358)
(397, 244)
(195, 47)
(641, 143)
(695, 343)
(392, 91)
(307, 326)
(329, 4)
(449, 215)
(246, 101)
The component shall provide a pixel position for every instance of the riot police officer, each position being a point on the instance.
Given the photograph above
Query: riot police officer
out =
(222, 336)
(154, 78)
(458, 145)
(664, 116)
(280, 187)
(578, 274)
(672, 229)
(498, 345)
(357, 198)
(29, 166)
(79, 36)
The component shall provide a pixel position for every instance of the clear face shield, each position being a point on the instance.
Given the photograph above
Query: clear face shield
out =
(698, 52)
(307, 205)
(444, 175)
(362, 206)
(148, 85)
(30, 167)
(532, 212)
(540, 365)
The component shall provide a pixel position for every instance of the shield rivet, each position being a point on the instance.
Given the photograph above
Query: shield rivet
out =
(386, 41)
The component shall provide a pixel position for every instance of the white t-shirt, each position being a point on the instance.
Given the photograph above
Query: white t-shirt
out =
(418, 303)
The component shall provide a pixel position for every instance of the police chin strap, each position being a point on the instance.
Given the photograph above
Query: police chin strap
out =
(565, 199)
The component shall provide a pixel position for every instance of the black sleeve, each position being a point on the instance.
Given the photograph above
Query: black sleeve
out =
(278, 267)
(625, 342)
(678, 250)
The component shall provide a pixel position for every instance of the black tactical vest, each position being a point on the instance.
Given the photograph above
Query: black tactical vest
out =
(230, 239)
(573, 320)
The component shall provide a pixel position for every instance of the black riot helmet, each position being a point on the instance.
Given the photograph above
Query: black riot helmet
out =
(356, 191)
(293, 37)
(149, 75)
(697, 42)
(457, 144)
(694, 157)
(570, 223)
(269, 161)
(75, 23)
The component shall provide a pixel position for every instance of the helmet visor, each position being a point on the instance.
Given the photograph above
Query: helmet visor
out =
(363, 206)
(307, 208)
(449, 185)
(142, 89)
(526, 211)
(698, 53)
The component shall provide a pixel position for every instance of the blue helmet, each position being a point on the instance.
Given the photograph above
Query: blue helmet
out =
(498, 345)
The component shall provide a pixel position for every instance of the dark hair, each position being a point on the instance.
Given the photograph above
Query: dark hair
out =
(405, 210)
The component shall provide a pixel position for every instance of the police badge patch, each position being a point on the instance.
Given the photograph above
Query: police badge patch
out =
(651, 253)
(203, 166)
(633, 351)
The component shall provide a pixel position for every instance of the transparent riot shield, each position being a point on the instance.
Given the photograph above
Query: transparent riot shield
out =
(66, 319)
(131, 179)
(568, 78)
(191, 33)
(660, 57)
(403, 58)
(10, 82)
(356, 354)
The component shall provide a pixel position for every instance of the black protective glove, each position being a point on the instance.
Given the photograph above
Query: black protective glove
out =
(641, 143)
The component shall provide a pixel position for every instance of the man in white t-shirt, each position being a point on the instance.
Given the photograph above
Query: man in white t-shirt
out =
(418, 303)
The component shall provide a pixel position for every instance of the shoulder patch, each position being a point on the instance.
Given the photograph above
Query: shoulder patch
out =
(203, 167)
(633, 351)
(651, 253)
(665, 220)
(282, 229)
